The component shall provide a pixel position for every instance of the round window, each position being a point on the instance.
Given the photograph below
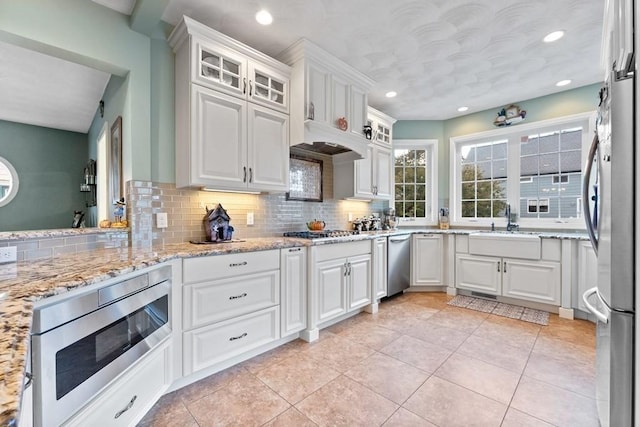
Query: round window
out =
(8, 182)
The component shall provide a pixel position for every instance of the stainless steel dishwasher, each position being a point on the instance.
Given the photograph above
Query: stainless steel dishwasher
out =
(399, 264)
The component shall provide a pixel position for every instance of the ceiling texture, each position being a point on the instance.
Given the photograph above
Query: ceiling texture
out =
(437, 55)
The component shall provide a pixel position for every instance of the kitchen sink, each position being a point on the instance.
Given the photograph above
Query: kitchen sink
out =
(505, 244)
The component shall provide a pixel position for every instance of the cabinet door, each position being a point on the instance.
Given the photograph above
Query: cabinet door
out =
(268, 147)
(332, 295)
(531, 280)
(219, 68)
(268, 87)
(317, 93)
(293, 290)
(358, 114)
(218, 155)
(383, 179)
(340, 102)
(587, 272)
(359, 279)
(427, 260)
(363, 186)
(479, 273)
(379, 267)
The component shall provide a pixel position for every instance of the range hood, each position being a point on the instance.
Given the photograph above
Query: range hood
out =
(322, 139)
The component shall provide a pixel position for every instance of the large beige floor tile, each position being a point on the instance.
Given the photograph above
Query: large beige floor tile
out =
(339, 353)
(396, 320)
(297, 377)
(245, 401)
(422, 355)
(210, 384)
(563, 370)
(278, 354)
(579, 332)
(291, 418)
(436, 334)
(447, 404)
(344, 402)
(348, 323)
(370, 335)
(515, 418)
(434, 300)
(553, 346)
(168, 411)
(404, 418)
(483, 378)
(495, 352)
(459, 318)
(554, 405)
(388, 377)
(510, 331)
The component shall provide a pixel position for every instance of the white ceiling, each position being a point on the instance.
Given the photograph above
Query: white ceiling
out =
(437, 55)
(41, 90)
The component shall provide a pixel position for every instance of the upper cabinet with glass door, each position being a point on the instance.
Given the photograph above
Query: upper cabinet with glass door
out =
(252, 76)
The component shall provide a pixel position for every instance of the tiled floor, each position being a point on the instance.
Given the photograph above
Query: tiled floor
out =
(418, 362)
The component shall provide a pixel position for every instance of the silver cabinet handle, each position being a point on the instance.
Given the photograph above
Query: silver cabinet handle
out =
(239, 264)
(244, 89)
(295, 250)
(126, 408)
(250, 174)
(349, 267)
(238, 337)
(238, 296)
(344, 274)
(245, 174)
(250, 88)
(504, 266)
(585, 298)
(498, 266)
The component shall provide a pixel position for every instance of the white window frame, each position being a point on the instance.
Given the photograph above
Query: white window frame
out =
(513, 133)
(431, 214)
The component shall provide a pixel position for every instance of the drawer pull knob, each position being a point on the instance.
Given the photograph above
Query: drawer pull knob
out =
(126, 408)
(238, 296)
(238, 264)
(295, 250)
(238, 337)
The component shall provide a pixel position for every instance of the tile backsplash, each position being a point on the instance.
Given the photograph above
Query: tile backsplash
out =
(273, 214)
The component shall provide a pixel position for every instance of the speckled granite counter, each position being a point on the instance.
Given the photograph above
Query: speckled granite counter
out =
(24, 283)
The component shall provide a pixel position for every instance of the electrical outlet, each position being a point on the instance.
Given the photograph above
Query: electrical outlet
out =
(162, 220)
(8, 254)
(249, 218)
(350, 216)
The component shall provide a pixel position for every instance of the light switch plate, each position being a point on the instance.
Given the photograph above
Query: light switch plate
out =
(249, 218)
(162, 220)
(8, 254)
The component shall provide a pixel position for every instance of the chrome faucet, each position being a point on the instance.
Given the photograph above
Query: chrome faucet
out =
(511, 226)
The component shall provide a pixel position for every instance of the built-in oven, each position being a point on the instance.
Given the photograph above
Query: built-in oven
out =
(82, 343)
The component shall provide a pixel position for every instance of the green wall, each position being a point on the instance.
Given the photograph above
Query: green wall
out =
(574, 101)
(50, 165)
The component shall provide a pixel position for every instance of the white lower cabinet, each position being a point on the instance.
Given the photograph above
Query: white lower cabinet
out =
(331, 282)
(359, 281)
(427, 260)
(293, 290)
(379, 280)
(537, 281)
(128, 399)
(587, 272)
(230, 305)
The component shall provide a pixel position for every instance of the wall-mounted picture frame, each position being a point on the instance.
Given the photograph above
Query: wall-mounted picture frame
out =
(116, 186)
(305, 179)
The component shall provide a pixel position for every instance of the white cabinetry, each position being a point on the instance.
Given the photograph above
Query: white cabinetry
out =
(231, 304)
(371, 177)
(340, 281)
(587, 272)
(531, 280)
(379, 255)
(293, 290)
(232, 123)
(427, 260)
(128, 399)
(324, 90)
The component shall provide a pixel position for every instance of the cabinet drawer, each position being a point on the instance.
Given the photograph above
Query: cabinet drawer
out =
(223, 299)
(217, 267)
(209, 345)
(140, 388)
(342, 250)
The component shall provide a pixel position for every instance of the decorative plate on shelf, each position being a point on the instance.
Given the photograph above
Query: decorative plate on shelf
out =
(342, 123)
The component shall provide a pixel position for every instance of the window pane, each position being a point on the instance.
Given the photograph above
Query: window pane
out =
(484, 209)
(400, 209)
(399, 193)
(528, 165)
(421, 157)
(399, 175)
(550, 143)
(420, 174)
(420, 192)
(468, 190)
(400, 156)
(499, 207)
(530, 146)
(484, 153)
(499, 169)
(420, 209)
(468, 209)
(410, 192)
(500, 151)
(483, 170)
(569, 207)
(571, 140)
(570, 161)
(468, 173)
(410, 175)
(468, 154)
(483, 190)
(499, 189)
(549, 164)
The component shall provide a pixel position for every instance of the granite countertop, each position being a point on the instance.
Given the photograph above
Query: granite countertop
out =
(23, 284)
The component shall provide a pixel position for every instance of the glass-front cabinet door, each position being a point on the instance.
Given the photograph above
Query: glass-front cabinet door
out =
(268, 87)
(221, 69)
(383, 134)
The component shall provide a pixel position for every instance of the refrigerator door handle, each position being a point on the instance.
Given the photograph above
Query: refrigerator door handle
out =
(585, 298)
(585, 194)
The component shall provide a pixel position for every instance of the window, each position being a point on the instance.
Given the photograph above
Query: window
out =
(536, 168)
(415, 189)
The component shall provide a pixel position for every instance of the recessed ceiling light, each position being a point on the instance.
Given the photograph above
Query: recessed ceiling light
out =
(563, 82)
(264, 18)
(463, 109)
(551, 37)
(390, 94)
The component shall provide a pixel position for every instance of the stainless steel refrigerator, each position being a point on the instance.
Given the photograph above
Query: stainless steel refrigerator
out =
(609, 195)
